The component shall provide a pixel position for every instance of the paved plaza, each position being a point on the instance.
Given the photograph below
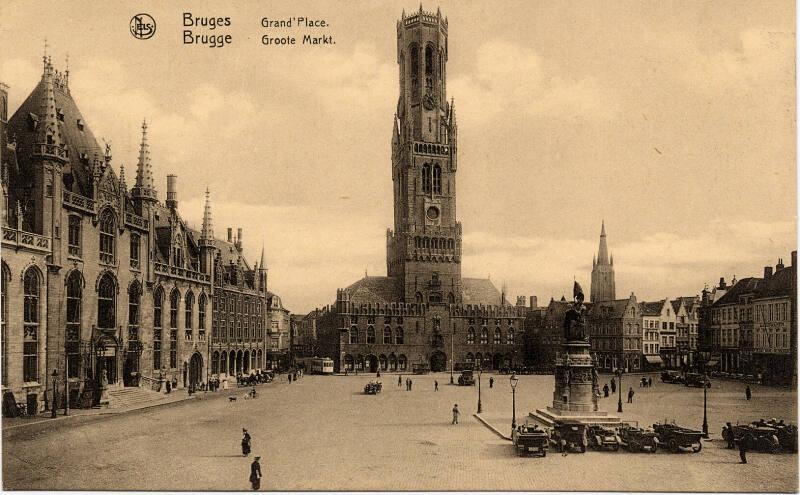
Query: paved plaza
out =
(323, 433)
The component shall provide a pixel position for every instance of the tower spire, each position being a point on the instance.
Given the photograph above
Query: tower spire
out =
(261, 262)
(48, 136)
(602, 254)
(207, 232)
(122, 183)
(144, 188)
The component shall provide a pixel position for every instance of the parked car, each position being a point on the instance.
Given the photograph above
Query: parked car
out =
(466, 378)
(671, 377)
(696, 380)
(530, 439)
(574, 434)
(373, 388)
(636, 439)
(677, 437)
(765, 438)
(786, 433)
(602, 438)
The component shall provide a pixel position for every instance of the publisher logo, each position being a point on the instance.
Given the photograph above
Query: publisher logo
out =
(143, 26)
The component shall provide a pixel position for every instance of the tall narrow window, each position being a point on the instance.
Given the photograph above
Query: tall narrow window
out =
(201, 316)
(437, 179)
(387, 335)
(497, 336)
(399, 336)
(134, 250)
(426, 179)
(4, 319)
(30, 350)
(174, 299)
(158, 323)
(74, 236)
(471, 336)
(484, 336)
(73, 337)
(134, 298)
(414, 52)
(188, 310)
(370, 335)
(107, 226)
(173, 349)
(354, 335)
(429, 69)
(106, 295)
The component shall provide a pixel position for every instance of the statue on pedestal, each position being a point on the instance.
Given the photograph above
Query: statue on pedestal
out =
(574, 320)
(104, 387)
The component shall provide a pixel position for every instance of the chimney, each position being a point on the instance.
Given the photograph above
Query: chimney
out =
(172, 191)
(239, 237)
(534, 302)
(794, 258)
(230, 234)
(767, 272)
(722, 282)
(779, 266)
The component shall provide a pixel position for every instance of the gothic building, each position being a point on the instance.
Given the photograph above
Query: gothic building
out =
(603, 288)
(423, 313)
(101, 282)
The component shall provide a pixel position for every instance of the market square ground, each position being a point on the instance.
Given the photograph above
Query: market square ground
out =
(323, 433)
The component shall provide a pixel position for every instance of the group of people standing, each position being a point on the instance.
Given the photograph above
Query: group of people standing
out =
(410, 383)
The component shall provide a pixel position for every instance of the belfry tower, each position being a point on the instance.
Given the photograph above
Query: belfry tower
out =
(603, 288)
(424, 249)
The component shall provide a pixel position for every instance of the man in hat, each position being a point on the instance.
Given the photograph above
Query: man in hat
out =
(455, 414)
(255, 474)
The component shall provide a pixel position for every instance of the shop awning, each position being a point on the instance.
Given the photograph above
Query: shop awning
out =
(654, 360)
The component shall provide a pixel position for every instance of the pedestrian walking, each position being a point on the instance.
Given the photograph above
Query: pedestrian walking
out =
(605, 389)
(255, 474)
(174, 383)
(744, 446)
(455, 414)
(491, 381)
(410, 384)
(630, 395)
(245, 443)
(613, 386)
(435, 385)
(650, 382)
(564, 448)
(399, 380)
(727, 435)
(290, 378)
(747, 392)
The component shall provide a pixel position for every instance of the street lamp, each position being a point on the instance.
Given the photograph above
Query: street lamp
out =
(619, 388)
(452, 355)
(55, 394)
(706, 384)
(480, 372)
(514, 380)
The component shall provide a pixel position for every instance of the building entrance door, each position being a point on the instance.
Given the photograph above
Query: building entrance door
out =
(195, 370)
(109, 364)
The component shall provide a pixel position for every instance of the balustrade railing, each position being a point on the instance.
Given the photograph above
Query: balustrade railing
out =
(78, 202)
(29, 240)
(136, 221)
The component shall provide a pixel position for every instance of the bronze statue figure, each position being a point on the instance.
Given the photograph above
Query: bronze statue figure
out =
(574, 320)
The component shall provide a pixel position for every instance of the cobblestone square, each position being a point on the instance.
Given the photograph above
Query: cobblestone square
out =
(323, 433)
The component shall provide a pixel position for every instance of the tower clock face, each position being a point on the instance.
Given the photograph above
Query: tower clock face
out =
(432, 213)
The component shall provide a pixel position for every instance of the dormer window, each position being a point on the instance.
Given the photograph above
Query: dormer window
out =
(79, 123)
(60, 114)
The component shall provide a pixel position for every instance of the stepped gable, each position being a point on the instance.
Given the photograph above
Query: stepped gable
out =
(617, 308)
(652, 308)
(229, 254)
(79, 142)
(480, 291)
(383, 290)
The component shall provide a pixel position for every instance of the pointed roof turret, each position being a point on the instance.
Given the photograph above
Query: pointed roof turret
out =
(49, 141)
(262, 264)
(207, 232)
(602, 254)
(144, 188)
(122, 184)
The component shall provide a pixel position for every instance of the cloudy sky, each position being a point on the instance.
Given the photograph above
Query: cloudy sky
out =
(673, 121)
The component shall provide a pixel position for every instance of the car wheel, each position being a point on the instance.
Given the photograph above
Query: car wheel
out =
(615, 447)
(673, 445)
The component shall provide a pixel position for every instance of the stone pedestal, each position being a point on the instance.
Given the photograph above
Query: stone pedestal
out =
(575, 392)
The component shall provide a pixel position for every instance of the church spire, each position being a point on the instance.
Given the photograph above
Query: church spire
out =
(144, 187)
(262, 264)
(602, 254)
(207, 231)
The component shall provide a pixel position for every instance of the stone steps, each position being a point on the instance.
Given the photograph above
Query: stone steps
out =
(547, 417)
(131, 397)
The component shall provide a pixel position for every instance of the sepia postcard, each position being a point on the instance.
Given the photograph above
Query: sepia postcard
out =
(232, 257)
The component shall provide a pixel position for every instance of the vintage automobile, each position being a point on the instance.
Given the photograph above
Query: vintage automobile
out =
(696, 380)
(786, 433)
(602, 438)
(636, 439)
(373, 388)
(572, 432)
(466, 378)
(677, 437)
(530, 439)
(764, 438)
(671, 377)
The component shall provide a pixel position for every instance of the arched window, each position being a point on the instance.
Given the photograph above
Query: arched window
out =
(471, 336)
(74, 235)
(201, 315)
(3, 320)
(134, 299)
(106, 302)
(392, 362)
(188, 310)
(426, 178)
(74, 297)
(413, 51)
(402, 362)
(158, 322)
(484, 336)
(510, 336)
(174, 299)
(370, 335)
(383, 362)
(429, 69)
(30, 349)
(398, 336)
(478, 360)
(215, 363)
(497, 336)
(348, 362)
(387, 335)
(470, 358)
(451, 299)
(354, 335)
(437, 180)
(107, 237)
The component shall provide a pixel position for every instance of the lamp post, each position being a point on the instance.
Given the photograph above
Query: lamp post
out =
(619, 388)
(514, 380)
(55, 394)
(705, 405)
(480, 372)
(452, 356)
(66, 384)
